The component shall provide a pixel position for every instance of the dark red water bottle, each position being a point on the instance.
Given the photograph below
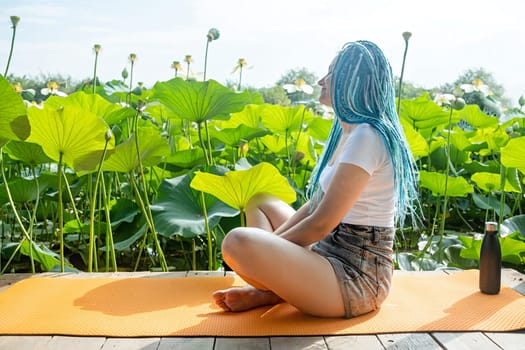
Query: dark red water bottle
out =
(490, 260)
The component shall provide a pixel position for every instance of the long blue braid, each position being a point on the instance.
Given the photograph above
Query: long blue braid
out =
(362, 91)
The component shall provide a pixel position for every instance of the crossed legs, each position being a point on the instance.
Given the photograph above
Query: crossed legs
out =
(276, 269)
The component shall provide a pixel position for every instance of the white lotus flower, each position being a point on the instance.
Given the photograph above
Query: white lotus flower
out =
(300, 85)
(444, 99)
(476, 86)
(52, 89)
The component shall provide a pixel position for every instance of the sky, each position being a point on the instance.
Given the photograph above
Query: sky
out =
(273, 36)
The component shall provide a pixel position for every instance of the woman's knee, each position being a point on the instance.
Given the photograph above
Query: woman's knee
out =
(236, 242)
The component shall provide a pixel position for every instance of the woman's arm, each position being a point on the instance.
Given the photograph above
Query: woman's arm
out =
(298, 216)
(345, 188)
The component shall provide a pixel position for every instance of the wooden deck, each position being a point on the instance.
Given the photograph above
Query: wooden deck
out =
(434, 340)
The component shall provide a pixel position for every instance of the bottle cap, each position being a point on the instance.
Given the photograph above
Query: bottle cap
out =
(491, 226)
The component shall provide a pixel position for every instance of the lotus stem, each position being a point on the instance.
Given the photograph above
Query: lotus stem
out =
(208, 233)
(91, 248)
(15, 212)
(60, 210)
(406, 36)
(206, 59)
(14, 21)
(146, 209)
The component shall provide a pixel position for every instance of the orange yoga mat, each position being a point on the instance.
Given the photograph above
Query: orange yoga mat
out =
(129, 307)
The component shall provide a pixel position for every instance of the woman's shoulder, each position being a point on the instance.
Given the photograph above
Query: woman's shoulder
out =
(365, 131)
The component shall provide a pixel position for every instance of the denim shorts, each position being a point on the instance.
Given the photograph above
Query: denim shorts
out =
(361, 257)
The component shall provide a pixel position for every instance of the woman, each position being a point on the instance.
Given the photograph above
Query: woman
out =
(363, 184)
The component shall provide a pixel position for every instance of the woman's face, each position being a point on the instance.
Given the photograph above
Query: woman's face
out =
(326, 83)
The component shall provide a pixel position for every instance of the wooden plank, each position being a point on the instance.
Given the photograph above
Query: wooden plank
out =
(471, 340)
(344, 342)
(131, 344)
(514, 341)
(186, 343)
(513, 279)
(256, 343)
(205, 274)
(297, 343)
(76, 343)
(8, 279)
(408, 341)
(25, 342)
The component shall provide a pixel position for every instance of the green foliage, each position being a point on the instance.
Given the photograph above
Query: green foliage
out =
(236, 188)
(183, 159)
(14, 124)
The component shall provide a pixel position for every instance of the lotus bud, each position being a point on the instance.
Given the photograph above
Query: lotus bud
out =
(97, 48)
(213, 34)
(244, 148)
(15, 20)
(108, 135)
(406, 36)
(298, 156)
(521, 101)
(457, 103)
(124, 73)
(515, 126)
(52, 86)
(17, 86)
(458, 92)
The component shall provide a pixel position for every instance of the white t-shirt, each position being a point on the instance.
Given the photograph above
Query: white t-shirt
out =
(366, 149)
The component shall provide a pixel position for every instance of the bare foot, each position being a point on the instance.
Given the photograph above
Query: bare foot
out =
(244, 298)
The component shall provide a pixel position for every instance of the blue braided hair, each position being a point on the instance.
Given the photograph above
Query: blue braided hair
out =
(362, 91)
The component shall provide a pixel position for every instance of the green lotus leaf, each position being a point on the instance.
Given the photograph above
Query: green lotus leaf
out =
(88, 102)
(283, 120)
(112, 113)
(489, 203)
(423, 113)
(418, 144)
(513, 179)
(319, 128)
(275, 143)
(46, 257)
(24, 190)
(27, 152)
(178, 209)
(512, 248)
(153, 148)
(459, 139)
(200, 101)
(186, 159)
(304, 149)
(495, 139)
(513, 155)
(491, 182)
(472, 247)
(439, 185)
(128, 233)
(476, 166)
(235, 137)
(513, 224)
(439, 156)
(250, 116)
(14, 124)
(237, 187)
(124, 210)
(473, 115)
(72, 132)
